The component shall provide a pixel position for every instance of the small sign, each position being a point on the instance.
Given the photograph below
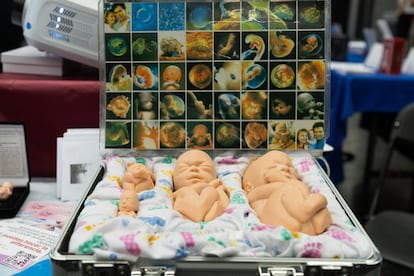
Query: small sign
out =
(13, 167)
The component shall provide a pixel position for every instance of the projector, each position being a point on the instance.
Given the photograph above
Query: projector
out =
(67, 28)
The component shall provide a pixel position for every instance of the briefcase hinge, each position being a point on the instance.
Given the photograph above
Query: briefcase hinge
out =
(154, 271)
(280, 271)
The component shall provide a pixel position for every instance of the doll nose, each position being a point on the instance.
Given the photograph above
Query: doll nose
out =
(194, 169)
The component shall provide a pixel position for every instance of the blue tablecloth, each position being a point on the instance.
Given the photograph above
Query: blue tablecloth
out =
(351, 93)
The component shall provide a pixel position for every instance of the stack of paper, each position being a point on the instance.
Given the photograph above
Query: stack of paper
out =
(30, 60)
(78, 160)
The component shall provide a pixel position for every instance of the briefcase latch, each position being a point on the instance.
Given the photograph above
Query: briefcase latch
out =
(154, 271)
(281, 271)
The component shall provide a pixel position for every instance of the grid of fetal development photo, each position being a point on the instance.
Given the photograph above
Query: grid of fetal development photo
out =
(214, 75)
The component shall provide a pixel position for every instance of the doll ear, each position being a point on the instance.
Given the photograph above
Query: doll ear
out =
(248, 186)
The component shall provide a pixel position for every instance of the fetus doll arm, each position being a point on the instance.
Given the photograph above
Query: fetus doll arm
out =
(194, 205)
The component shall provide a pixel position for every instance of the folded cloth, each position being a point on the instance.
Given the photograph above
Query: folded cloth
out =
(230, 170)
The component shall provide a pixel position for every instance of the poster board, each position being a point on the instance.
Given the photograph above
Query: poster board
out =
(214, 75)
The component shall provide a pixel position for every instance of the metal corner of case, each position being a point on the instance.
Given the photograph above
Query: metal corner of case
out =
(55, 255)
(376, 258)
(270, 270)
(158, 270)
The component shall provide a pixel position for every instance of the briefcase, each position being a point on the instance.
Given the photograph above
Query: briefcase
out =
(235, 79)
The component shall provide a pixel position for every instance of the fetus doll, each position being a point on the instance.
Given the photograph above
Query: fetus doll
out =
(138, 178)
(6, 190)
(128, 204)
(199, 195)
(279, 197)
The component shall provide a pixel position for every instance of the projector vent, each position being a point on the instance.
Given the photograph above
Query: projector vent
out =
(60, 20)
(59, 27)
(64, 11)
(71, 26)
(59, 36)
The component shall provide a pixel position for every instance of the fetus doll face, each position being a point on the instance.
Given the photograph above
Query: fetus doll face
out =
(192, 167)
(140, 176)
(128, 201)
(274, 166)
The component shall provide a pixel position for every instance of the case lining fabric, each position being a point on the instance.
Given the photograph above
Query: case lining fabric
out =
(159, 232)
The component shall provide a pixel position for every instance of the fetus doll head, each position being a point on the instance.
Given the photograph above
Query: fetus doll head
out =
(128, 202)
(193, 166)
(138, 178)
(274, 166)
(6, 190)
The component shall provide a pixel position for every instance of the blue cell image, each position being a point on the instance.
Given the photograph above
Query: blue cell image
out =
(199, 16)
(144, 16)
(172, 16)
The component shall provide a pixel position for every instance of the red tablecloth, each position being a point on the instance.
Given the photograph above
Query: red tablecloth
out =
(48, 106)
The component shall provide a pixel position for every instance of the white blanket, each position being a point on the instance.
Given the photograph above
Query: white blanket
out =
(159, 232)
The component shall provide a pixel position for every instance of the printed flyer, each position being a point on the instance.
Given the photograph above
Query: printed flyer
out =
(27, 238)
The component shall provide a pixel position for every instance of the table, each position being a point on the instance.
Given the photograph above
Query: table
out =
(48, 106)
(352, 93)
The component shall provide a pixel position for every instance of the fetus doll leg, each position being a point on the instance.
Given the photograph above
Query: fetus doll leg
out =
(219, 206)
(303, 207)
(321, 220)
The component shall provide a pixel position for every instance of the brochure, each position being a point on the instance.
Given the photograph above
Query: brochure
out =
(78, 159)
(28, 238)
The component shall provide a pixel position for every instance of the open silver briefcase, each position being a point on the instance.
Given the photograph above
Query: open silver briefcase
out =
(234, 73)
